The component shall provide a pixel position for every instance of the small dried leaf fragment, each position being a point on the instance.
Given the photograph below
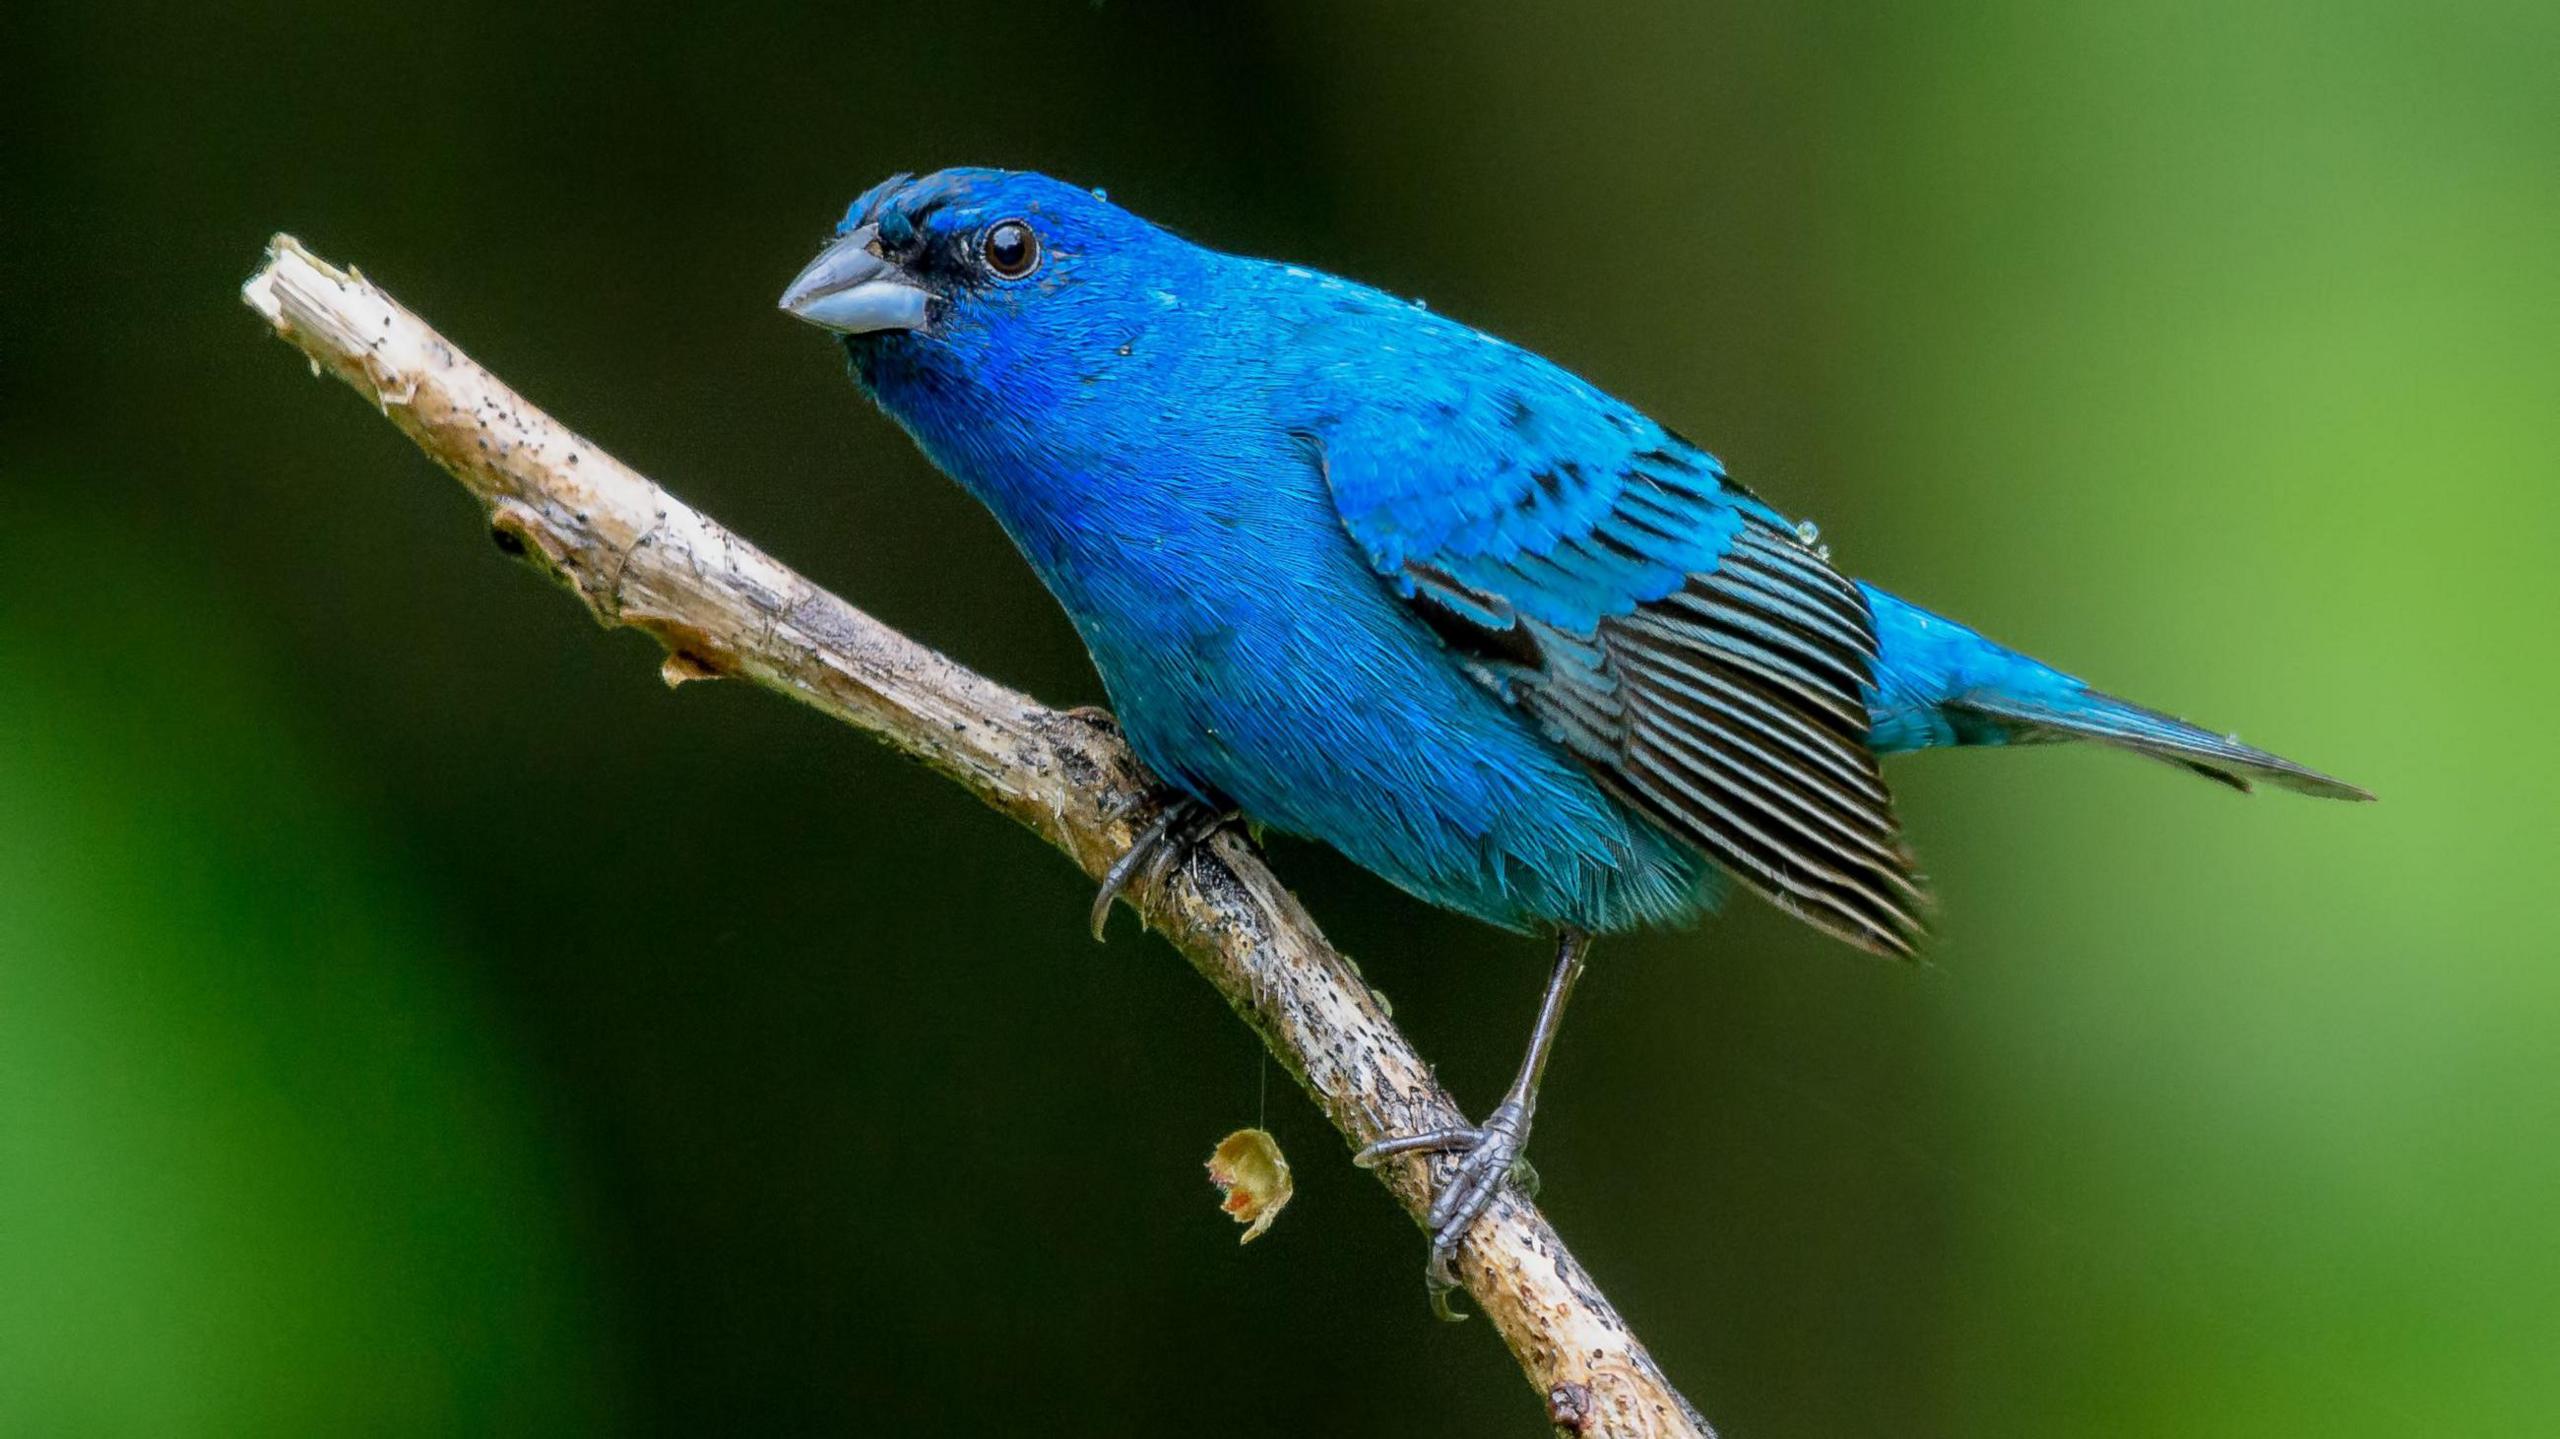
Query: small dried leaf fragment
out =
(1249, 1167)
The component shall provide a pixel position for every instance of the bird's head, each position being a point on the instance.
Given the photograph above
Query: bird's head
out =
(994, 290)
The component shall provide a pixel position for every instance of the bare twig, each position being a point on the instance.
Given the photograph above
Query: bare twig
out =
(637, 556)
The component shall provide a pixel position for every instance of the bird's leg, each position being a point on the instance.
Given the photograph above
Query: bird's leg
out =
(1181, 824)
(1488, 1154)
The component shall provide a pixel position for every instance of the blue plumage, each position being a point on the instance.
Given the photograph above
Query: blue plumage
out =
(1371, 576)
(1375, 577)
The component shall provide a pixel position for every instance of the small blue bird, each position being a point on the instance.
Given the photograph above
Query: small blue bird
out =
(1361, 573)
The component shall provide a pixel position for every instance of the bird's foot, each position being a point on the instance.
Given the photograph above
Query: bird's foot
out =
(1182, 823)
(1489, 1156)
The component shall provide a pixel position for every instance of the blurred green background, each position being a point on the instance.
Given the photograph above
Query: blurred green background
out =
(415, 1019)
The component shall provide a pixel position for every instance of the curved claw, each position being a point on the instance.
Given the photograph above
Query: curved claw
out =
(1139, 853)
(1179, 825)
(1439, 1283)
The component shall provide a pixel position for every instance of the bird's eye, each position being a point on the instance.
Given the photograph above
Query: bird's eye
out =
(1012, 250)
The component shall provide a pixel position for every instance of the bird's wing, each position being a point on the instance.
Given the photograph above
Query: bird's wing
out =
(1656, 618)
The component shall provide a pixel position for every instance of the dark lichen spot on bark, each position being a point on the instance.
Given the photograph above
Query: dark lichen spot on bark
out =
(1569, 1406)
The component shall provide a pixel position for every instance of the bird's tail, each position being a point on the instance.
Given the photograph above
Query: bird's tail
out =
(1940, 683)
(2090, 714)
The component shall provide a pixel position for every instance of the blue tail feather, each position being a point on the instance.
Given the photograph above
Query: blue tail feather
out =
(1939, 683)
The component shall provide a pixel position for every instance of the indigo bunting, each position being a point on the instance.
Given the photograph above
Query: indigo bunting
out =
(1361, 573)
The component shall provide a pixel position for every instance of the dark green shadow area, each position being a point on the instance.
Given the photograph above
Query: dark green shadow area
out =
(264, 1168)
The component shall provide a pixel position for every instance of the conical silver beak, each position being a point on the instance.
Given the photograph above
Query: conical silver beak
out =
(852, 289)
